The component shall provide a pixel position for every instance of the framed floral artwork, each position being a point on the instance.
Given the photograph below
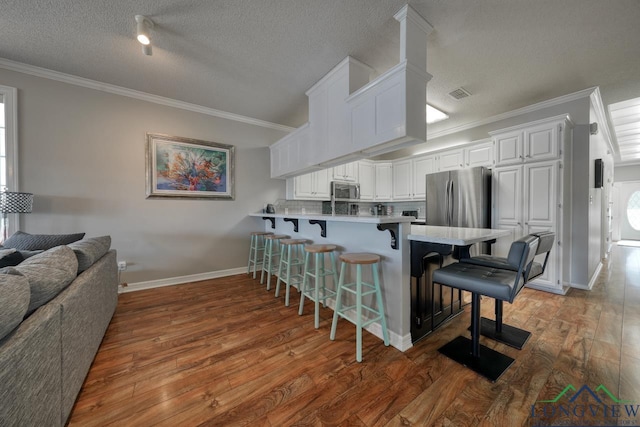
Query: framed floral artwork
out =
(189, 168)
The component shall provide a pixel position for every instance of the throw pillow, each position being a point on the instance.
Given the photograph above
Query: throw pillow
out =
(14, 302)
(31, 242)
(90, 250)
(48, 273)
(10, 257)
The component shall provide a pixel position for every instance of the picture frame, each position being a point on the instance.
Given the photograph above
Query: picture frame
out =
(189, 168)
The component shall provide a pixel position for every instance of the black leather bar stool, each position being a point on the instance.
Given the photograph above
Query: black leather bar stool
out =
(496, 330)
(501, 284)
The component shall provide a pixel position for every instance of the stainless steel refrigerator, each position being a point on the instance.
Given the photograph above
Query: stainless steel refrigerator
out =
(459, 198)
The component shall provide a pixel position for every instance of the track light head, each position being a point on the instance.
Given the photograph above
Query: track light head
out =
(146, 49)
(144, 24)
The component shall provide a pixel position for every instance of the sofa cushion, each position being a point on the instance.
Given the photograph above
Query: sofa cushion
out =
(90, 250)
(48, 273)
(14, 302)
(31, 242)
(10, 257)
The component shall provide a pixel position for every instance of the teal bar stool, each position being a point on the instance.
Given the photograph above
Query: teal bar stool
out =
(318, 292)
(291, 263)
(360, 289)
(271, 251)
(256, 245)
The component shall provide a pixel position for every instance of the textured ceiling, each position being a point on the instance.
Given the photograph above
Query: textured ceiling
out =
(258, 57)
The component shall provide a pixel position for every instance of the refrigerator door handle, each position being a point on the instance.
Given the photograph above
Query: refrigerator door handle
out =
(451, 202)
(446, 202)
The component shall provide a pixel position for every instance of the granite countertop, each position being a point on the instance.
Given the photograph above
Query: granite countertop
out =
(366, 219)
(460, 236)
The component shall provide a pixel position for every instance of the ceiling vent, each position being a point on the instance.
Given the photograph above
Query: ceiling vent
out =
(459, 93)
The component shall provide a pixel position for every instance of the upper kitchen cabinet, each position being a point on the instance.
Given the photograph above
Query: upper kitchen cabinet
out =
(351, 117)
(402, 180)
(409, 182)
(367, 179)
(451, 160)
(384, 181)
(346, 172)
(479, 154)
(290, 153)
(531, 142)
(310, 186)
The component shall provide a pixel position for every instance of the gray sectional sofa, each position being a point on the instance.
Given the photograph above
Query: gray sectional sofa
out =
(45, 356)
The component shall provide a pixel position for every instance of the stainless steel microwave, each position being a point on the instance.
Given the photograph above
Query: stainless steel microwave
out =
(345, 191)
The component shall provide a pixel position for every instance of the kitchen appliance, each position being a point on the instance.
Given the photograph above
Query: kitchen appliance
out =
(414, 213)
(459, 198)
(380, 209)
(345, 191)
(270, 209)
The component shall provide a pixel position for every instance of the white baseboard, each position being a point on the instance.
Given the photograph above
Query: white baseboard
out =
(139, 286)
(592, 281)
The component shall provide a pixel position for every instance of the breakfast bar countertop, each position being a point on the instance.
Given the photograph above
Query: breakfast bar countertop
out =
(365, 219)
(459, 236)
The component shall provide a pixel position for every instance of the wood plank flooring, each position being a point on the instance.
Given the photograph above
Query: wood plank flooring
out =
(225, 352)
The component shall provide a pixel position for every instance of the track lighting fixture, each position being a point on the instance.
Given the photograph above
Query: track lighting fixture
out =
(144, 25)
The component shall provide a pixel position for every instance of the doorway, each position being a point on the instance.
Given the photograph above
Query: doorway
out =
(629, 211)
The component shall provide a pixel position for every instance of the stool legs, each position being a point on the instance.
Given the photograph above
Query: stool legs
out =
(267, 260)
(289, 257)
(256, 245)
(320, 289)
(340, 310)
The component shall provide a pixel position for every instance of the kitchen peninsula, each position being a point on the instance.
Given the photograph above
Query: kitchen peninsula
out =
(387, 236)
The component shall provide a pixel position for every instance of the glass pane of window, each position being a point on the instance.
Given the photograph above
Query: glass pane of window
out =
(3, 173)
(633, 210)
(3, 149)
(1, 113)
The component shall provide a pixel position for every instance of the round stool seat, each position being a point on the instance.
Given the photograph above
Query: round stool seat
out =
(276, 236)
(361, 258)
(293, 241)
(317, 249)
(260, 233)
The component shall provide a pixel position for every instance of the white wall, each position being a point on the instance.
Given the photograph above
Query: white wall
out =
(82, 154)
(627, 173)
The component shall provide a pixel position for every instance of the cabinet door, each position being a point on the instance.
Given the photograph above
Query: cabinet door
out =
(402, 180)
(508, 148)
(479, 155)
(367, 180)
(322, 184)
(303, 186)
(541, 142)
(451, 160)
(351, 171)
(422, 167)
(507, 196)
(384, 181)
(276, 162)
(541, 211)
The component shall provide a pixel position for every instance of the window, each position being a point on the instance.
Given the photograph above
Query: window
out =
(9, 147)
(633, 211)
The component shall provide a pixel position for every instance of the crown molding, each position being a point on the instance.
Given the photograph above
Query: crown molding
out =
(585, 93)
(143, 96)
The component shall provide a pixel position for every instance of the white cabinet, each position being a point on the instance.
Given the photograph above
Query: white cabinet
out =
(409, 182)
(367, 180)
(421, 167)
(527, 199)
(480, 154)
(346, 172)
(290, 153)
(384, 181)
(532, 142)
(451, 160)
(313, 185)
(402, 180)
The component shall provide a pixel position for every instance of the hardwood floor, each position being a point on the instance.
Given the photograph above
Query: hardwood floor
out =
(226, 352)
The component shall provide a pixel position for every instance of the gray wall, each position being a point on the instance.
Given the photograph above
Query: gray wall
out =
(82, 154)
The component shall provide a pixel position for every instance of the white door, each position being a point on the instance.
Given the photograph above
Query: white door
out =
(367, 180)
(402, 180)
(507, 206)
(384, 181)
(303, 186)
(322, 184)
(422, 167)
(629, 211)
